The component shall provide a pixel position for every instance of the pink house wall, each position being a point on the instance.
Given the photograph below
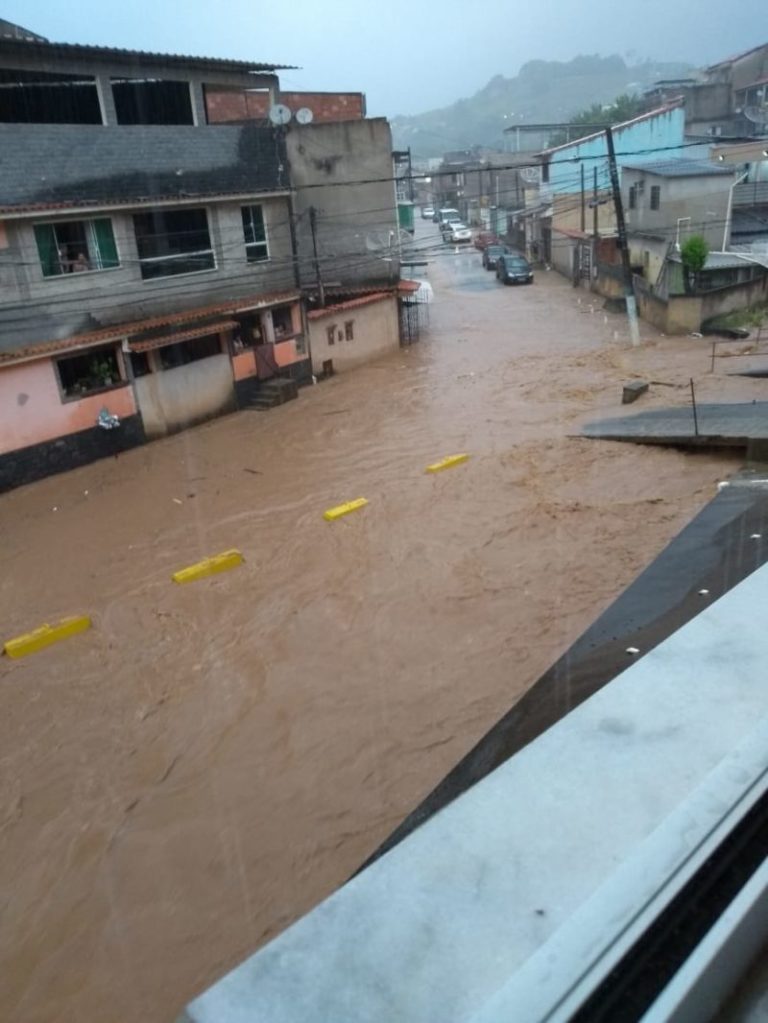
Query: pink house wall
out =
(32, 410)
(244, 365)
(285, 353)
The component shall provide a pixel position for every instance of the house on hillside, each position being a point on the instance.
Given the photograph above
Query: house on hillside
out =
(574, 204)
(155, 268)
(666, 202)
(728, 99)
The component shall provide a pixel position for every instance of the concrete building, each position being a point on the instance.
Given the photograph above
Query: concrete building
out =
(574, 203)
(154, 266)
(344, 335)
(726, 99)
(667, 201)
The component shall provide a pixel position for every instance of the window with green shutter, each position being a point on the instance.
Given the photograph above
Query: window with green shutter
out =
(75, 246)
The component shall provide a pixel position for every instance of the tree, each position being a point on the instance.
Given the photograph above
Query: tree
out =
(693, 252)
(621, 109)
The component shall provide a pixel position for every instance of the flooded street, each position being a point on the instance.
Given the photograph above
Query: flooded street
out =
(210, 761)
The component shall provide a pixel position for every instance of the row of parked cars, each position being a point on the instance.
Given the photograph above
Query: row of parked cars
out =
(510, 265)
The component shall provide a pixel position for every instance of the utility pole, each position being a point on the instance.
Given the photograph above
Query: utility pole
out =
(313, 228)
(621, 227)
(594, 207)
(583, 208)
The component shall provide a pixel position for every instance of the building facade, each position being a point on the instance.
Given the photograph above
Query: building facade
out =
(155, 264)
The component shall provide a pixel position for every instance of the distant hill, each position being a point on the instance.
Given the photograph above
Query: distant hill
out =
(544, 90)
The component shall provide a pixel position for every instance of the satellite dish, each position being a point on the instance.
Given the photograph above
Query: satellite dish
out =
(529, 174)
(279, 114)
(304, 116)
(757, 115)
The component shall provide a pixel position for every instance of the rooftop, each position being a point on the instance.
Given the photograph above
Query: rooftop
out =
(680, 168)
(657, 112)
(13, 42)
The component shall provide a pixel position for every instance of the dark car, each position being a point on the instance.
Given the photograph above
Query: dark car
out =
(514, 269)
(491, 255)
(485, 238)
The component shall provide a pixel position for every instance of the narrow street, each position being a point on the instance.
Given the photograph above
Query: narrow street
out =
(208, 762)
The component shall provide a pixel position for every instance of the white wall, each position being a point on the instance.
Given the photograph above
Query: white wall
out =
(375, 327)
(175, 398)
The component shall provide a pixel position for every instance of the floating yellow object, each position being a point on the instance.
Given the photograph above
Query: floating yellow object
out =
(344, 509)
(447, 463)
(209, 566)
(40, 638)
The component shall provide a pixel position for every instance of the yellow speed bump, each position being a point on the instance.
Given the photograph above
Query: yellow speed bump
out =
(447, 463)
(40, 638)
(344, 509)
(209, 566)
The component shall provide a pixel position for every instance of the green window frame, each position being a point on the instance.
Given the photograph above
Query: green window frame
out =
(70, 246)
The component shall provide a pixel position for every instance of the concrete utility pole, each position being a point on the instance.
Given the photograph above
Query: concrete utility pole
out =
(313, 228)
(621, 227)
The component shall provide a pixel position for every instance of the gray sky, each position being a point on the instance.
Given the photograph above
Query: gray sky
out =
(407, 56)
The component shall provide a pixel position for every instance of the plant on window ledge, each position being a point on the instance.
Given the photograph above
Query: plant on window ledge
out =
(102, 373)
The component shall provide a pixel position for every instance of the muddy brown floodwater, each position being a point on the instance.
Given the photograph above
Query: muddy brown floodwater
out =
(210, 761)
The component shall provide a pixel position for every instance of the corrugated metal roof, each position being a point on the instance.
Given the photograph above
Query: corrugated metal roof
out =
(679, 168)
(50, 49)
(727, 260)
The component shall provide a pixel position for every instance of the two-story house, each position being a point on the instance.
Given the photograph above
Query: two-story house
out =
(152, 262)
(667, 201)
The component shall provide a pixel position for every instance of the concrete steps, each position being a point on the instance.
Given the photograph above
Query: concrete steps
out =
(273, 393)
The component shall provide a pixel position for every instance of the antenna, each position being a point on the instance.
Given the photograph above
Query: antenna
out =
(304, 115)
(279, 114)
(529, 174)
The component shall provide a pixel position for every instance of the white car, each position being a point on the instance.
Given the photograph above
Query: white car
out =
(456, 232)
(428, 212)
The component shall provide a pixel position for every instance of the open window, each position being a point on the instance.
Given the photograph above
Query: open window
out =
(43, 97)
(282, 321)
(255, 234)
(89, 372)
(152, 101)
(172, 242)
(181, 354)
(73, 246)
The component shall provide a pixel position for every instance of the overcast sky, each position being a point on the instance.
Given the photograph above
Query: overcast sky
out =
(407, 56)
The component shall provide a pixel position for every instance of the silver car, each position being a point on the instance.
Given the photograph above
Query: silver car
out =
(456, 233)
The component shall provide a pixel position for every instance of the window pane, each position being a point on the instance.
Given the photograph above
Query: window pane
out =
(254, 233)
(92, 371)
(106, 250)
(181, 236)
(46, 247)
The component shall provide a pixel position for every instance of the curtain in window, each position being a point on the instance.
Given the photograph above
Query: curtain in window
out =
(102, 244)
(47, 249)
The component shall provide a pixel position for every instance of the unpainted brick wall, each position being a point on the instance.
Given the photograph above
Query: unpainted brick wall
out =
(226, 105)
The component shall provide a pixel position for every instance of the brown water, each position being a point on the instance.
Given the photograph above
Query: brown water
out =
(209, 761)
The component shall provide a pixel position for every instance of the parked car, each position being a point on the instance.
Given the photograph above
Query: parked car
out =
(447, 215)
(512, 268)
(486, 238)
(491, 255)
(456, 232)
(427, 212)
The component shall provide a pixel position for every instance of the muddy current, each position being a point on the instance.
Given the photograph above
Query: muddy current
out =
(210, 761)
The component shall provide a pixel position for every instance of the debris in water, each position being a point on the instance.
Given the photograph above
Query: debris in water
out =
(703, 593)
(632, 650)
(177, 500)
(755, 536)
(254, 472)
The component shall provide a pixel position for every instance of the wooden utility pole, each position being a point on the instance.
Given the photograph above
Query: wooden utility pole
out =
(583, 203)
(313, 228)
(621, 227)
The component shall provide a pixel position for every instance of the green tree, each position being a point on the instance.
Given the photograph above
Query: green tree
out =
(693, 252)
(623, 108)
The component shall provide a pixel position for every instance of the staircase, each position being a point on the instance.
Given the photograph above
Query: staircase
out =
(274, 392)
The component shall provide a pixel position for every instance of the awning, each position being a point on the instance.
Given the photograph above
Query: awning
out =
(182, 335)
